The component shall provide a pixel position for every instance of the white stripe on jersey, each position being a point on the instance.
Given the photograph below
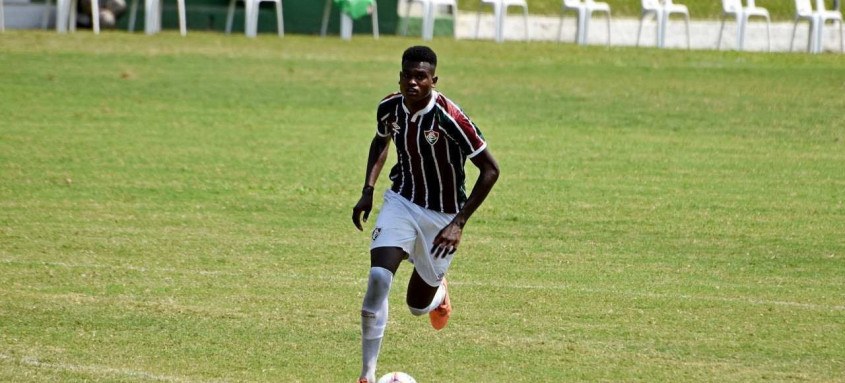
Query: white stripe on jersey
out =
(401, 173)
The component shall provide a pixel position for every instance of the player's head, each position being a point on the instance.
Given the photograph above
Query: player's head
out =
(420, 54)
(417, 77)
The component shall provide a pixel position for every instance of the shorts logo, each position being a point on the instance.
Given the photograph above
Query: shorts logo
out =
(376, 232)
(431, 136)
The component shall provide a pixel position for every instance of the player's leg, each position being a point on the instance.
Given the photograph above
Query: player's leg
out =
(384, 261)
(420, 294)
(427, 292)
(424, 298)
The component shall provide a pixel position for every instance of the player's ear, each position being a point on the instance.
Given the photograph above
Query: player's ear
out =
(434, 80)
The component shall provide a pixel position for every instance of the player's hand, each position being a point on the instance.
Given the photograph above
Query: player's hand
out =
(447, 240)
(364, 205)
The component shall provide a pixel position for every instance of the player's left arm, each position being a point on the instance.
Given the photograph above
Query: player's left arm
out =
(448, 239)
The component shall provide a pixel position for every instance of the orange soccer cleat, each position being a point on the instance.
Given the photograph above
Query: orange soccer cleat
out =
(440, 316)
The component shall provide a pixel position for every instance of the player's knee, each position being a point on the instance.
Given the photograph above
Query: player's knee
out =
(378, 287)
(418, 311)
(423, 302)
(380, 278)
(416, 306)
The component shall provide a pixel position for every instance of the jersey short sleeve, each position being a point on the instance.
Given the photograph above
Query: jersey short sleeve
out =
(386, 116)
(382, 127)
(458, 126)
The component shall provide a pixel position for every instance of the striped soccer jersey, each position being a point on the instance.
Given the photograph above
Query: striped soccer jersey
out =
(432, 147)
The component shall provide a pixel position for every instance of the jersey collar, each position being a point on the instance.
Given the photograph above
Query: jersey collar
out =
(423, 111)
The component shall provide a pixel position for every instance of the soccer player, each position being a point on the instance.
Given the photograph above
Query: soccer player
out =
(426, 208)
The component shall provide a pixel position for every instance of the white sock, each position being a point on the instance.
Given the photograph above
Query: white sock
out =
(370, 349)
(374, 319)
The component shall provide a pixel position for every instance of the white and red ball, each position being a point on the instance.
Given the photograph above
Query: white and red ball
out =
(396, 377)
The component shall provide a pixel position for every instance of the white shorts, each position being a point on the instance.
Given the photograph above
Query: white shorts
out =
(404, 224)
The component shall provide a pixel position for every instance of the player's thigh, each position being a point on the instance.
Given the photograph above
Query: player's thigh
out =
(420, 293)
(387, 257)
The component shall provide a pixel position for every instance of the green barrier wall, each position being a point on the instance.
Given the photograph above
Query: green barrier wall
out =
(301, 17)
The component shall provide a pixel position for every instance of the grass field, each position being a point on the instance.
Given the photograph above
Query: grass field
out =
(178, 209)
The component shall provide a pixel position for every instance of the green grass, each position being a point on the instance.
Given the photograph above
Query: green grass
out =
(177, 209)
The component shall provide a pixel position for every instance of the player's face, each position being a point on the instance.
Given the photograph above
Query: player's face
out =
(416, 80)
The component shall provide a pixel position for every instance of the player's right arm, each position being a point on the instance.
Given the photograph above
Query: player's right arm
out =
(375, 162)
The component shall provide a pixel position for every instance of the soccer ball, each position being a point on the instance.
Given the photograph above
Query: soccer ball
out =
(397, 377)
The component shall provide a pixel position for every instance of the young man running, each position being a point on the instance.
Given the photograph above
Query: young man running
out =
(426, 207)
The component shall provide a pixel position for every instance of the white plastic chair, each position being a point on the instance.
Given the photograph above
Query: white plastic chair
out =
(651, 8)
(835, 15)
(804, 12)
(661, 12)
(734, 8)
(584, 12)
(828, 15)
(66, 16)
(670, 8)
(152, 16)
(251, 8)
(429, 10)
(45, 15)
(500, 13)
(327, 10)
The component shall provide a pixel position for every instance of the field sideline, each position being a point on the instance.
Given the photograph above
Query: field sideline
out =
(178, 210)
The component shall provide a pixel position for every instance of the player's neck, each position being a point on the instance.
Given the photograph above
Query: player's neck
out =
(419, 105)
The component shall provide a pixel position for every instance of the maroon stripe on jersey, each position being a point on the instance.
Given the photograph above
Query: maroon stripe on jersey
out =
(407, 187)
(447, 176)
(417, 164)
(433, 151)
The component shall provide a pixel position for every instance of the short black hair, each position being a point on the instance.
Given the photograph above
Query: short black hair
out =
(420, 53)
